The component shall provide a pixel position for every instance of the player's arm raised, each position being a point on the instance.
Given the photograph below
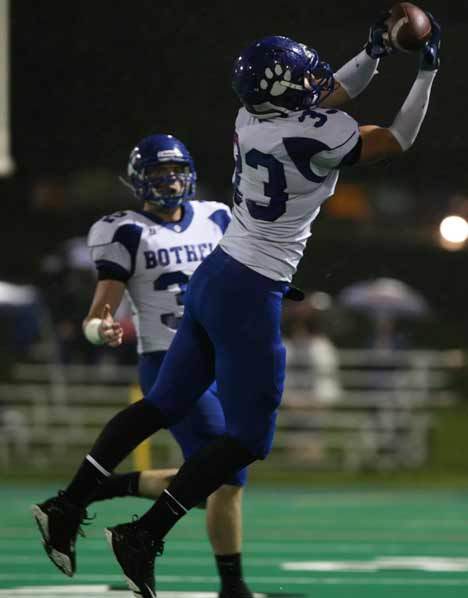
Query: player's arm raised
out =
(379, 143)
(354, 76)
(99, 326)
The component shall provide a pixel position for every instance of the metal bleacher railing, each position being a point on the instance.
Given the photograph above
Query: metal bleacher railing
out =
(381, 419)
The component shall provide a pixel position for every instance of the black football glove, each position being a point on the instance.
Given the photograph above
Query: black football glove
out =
(430, 53)
(294, 294)
(378, 44)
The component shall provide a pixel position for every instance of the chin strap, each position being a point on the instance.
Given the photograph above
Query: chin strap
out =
(126, 183)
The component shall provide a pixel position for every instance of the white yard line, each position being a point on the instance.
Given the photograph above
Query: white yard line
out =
(277, 582)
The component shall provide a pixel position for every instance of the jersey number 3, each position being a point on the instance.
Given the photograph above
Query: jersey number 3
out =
(274, 188)
(300, 150)
(177, 282)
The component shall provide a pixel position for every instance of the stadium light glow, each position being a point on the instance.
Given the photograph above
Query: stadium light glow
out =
(454, 229)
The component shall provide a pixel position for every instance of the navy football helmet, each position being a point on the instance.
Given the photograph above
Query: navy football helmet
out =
(154, 151)
(276, 74)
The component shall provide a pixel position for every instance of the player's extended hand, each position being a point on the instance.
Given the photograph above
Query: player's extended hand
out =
(110, 331)
(378, 44)
(430, 54)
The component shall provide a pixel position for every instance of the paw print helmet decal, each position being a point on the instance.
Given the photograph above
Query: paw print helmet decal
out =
(276, 75)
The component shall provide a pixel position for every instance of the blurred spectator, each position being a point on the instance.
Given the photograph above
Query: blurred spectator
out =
(386, 335)
(20, 314)
(385, 301)
(312, 359)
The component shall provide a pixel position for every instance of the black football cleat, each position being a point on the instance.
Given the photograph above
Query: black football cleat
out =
(59, 522)
(135, 550)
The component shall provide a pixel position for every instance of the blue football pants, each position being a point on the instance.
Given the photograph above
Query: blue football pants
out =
(204, 421)
(230, 332)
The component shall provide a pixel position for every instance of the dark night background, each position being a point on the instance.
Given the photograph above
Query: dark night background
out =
(88, 79)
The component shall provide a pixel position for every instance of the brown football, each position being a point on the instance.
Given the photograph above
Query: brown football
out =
(408, 27)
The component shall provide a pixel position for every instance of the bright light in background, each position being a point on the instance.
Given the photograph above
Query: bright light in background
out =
(454, 229)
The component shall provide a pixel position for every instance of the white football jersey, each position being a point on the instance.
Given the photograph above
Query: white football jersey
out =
(155, 259)
(285, 169)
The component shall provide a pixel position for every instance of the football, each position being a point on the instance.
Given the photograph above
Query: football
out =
(408, 27)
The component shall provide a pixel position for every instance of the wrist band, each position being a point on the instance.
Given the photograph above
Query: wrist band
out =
(91, 331)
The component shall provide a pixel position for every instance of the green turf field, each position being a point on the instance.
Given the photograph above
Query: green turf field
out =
(317, 543)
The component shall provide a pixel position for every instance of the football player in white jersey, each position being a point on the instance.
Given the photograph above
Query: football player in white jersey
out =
(288, 153)
(150, 253)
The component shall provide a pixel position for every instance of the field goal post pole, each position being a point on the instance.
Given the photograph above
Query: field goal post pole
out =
(7, 165)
